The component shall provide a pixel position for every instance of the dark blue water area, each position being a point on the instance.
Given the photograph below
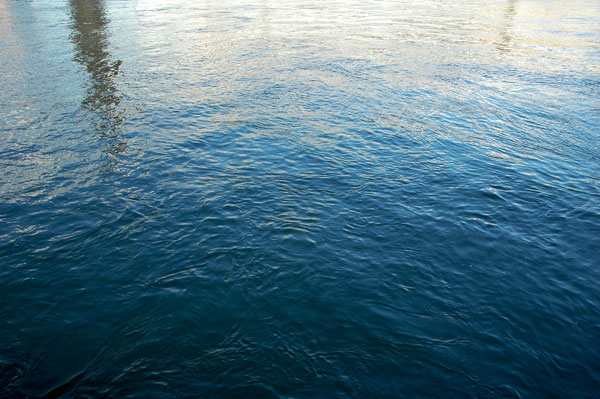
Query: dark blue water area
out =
(223, 200)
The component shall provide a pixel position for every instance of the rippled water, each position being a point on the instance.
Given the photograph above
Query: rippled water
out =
(300, 199)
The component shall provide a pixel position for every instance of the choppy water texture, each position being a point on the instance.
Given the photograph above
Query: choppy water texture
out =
(300, 199)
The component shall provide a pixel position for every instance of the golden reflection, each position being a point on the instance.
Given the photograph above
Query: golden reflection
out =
(7, 30)
(90, 36)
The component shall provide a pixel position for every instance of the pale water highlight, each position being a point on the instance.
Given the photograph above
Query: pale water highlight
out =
(300, 199)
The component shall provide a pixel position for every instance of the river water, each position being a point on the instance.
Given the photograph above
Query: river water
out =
(300, 199)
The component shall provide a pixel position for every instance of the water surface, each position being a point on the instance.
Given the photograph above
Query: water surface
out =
(300, 199)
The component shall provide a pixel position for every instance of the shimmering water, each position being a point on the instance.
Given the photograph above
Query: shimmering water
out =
(300, 199)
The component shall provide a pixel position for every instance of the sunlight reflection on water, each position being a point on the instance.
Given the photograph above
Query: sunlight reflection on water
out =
(299, 199)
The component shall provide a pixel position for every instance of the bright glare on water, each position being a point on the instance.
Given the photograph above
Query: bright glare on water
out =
(300, 199)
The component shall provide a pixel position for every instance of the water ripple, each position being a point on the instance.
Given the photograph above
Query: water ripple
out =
(340, 199)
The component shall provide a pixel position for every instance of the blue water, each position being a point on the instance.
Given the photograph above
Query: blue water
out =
(299, 199)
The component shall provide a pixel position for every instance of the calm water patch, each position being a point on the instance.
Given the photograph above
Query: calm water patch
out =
(297, 200)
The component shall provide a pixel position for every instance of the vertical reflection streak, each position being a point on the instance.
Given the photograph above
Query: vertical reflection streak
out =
(506, 38)
(90, 37)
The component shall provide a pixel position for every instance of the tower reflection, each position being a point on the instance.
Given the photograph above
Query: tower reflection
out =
(506, 37)
(90, 36)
